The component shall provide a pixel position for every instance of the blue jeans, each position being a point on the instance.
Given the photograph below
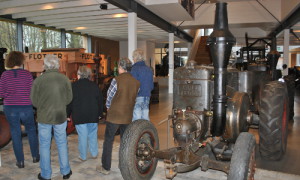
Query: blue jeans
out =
(141, 108)
(87, 139)
(109, 137)
(60, 136)
(15, 115)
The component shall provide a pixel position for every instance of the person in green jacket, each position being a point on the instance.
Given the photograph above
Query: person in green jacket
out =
(50, 94)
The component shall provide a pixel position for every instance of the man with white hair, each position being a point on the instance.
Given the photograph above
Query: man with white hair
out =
(141, 72)
(50, 94)
(120, 101)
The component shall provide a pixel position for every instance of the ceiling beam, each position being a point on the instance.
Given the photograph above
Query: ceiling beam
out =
(66, 20)
(60, 11)
(55, 5)
(290, 21)
(93, 21)
(147, 15)
(75, 15)
(18, 3)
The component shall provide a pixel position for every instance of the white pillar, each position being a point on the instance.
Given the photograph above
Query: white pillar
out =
(171, 62)
(132, 33)
(286, 50)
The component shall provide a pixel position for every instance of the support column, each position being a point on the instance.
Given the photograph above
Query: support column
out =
(89, 43)
(20, 35)
(171, 62)
(132, 33)
(189, 46)
(286, 50)
(63, 38)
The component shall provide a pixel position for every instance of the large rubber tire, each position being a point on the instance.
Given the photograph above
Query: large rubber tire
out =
(131, 166)
(242, 163)
(5, 135)
(290, 82)
(273, 125)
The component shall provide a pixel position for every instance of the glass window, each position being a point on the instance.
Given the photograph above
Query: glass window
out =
(37, 38)
(8, 35)
(74, 40)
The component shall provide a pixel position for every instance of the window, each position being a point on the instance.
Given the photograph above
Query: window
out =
(8, 35)
(74, 40)
(37, 38)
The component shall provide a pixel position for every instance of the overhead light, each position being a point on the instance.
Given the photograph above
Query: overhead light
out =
(46, 7)
(296, 30)
(80, 28)
(120, 15)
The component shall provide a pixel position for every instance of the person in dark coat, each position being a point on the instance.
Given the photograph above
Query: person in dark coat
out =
(86, 108)
(120, 102)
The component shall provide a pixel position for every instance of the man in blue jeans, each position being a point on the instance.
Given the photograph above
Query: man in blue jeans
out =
(144, 75)
(50, 94)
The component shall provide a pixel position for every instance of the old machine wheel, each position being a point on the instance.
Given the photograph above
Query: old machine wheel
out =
(138, 141)
(273, 125)
(242, 163)
(5, 135)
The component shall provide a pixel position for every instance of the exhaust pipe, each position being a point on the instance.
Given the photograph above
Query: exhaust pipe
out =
(220, 43)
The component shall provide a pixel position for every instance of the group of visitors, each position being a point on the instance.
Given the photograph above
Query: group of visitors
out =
(56, 100)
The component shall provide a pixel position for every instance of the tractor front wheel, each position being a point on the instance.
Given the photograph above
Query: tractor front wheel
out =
(135, 156)
(242, 165)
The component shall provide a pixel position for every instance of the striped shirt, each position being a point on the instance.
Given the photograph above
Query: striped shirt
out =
(15, 86)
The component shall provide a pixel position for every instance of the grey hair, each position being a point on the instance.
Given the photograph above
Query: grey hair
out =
(125, 64)
(138, 55)
(84, 72)
(51, 62)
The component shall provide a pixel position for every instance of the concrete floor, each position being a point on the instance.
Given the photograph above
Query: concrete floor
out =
(286, 169)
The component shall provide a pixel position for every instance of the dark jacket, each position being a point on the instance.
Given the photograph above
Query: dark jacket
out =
(50, 94)
(141, 72)
(121, 109)
(87, 103)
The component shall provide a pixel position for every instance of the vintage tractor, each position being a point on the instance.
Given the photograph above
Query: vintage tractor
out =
(213, 108)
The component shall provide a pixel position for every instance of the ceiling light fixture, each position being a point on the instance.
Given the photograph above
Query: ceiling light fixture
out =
(120, 15)
(80, 28)
(46, 7)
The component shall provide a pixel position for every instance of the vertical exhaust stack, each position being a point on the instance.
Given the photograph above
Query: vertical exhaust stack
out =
(220, 43)
(273, 57)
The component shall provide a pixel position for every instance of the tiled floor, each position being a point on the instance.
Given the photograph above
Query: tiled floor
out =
(158, 112)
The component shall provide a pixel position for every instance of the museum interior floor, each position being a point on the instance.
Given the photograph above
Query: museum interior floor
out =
(286, 169)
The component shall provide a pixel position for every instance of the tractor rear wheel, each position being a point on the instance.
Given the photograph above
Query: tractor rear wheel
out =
(242, 165)
(135, 158)
(273, 125)
(290, 82)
